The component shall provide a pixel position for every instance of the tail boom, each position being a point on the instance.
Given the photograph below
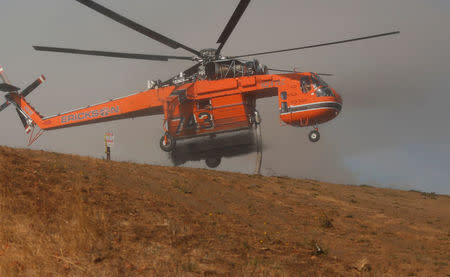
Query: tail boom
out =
(141, 104)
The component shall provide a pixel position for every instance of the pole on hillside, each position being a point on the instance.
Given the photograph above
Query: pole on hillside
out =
(108, 153)
(109, 142)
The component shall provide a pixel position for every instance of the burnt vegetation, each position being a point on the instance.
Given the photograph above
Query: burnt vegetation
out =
(80, 216)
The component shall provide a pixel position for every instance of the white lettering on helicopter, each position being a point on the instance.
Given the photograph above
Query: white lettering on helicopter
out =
(205, 121)
(90, 114)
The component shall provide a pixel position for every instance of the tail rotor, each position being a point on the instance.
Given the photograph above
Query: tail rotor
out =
(5, 88)
(8, 88)
(33, 86)
(12, 93)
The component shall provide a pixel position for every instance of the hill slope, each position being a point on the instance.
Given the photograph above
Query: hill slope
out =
(69, 215)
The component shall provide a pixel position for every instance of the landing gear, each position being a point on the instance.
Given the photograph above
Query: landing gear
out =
(167, 142)
(314, 135)
(258, 137)
(213, 162)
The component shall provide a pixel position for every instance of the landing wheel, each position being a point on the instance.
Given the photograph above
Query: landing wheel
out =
(314, 136)
(213, 162)
(167, 142)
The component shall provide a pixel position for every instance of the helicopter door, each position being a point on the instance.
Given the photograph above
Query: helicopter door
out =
(284, 107)
(306, 84)
(204, 115)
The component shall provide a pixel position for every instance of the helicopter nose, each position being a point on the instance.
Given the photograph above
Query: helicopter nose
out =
(337, 96)
(338, 100)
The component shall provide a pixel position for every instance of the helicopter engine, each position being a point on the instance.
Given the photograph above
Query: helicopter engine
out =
(233, 68)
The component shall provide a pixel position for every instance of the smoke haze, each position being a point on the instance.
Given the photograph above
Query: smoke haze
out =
(393, 129)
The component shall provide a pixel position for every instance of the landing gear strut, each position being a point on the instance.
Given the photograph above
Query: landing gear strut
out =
(314, 135)
(258, 137)
(167, 142)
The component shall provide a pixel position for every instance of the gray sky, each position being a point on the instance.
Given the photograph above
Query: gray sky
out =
(393, 130)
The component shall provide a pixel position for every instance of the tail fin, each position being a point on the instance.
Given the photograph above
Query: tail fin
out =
(24, 121)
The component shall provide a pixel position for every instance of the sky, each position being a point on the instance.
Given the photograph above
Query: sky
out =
(393, 130)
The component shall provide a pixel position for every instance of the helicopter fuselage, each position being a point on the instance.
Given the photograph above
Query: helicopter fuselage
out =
(206, 107)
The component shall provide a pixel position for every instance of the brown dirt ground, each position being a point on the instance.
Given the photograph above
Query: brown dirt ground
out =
(64, 215)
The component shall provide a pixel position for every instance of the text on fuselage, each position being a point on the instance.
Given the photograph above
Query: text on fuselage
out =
(90, 114)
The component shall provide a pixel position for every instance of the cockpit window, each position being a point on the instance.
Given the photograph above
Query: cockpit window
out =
(324, 91)
(318, 82)
(321, 87)
(314, 82)
(305, 83)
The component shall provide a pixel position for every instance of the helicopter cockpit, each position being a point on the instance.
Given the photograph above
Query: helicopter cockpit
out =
(316, 85)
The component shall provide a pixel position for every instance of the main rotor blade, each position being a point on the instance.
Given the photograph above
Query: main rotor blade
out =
(111, 54)
(318, 45)
(238, 12)
(135, 26)
(292, 71)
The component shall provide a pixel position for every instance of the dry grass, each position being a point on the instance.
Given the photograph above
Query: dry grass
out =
(65, 215)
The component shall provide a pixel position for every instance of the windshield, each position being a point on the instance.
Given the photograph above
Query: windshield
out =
(324, 91)
(321, 86)
(318, 82)
(318, 86)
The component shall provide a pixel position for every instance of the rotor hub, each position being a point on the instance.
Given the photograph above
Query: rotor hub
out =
(208, 53)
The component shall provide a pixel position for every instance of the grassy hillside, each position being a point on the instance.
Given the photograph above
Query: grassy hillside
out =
(79, 216)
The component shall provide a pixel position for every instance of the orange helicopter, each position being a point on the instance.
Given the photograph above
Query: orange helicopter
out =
(217, 94)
